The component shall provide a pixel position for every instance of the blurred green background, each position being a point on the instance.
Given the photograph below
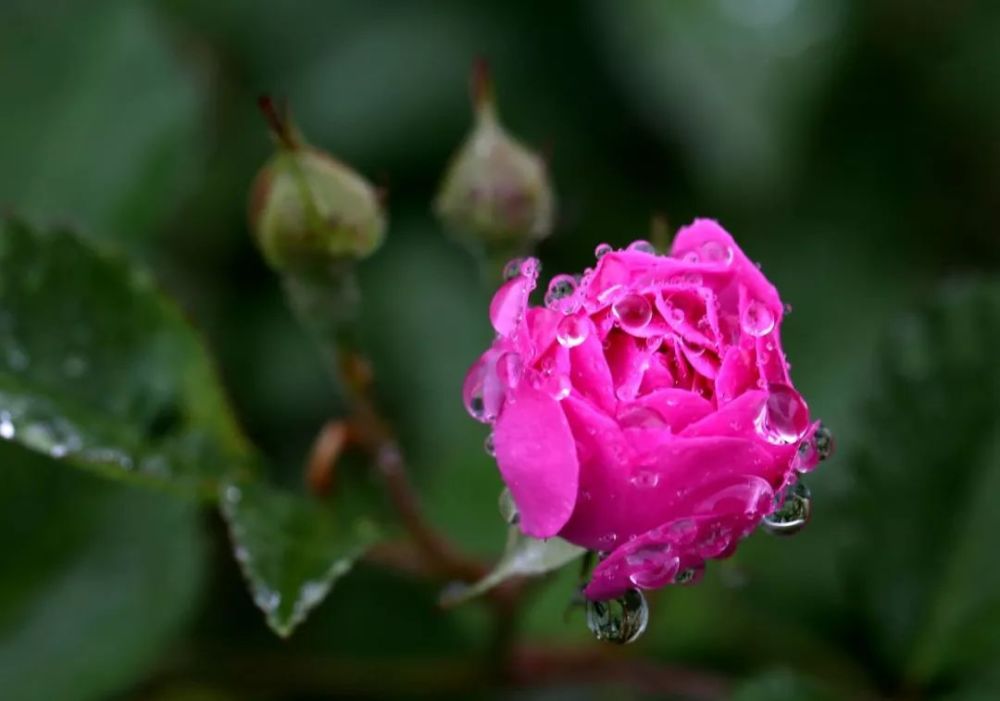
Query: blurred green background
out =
(851, 146)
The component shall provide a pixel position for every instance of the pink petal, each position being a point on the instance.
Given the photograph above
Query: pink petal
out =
(590, 374)
(708, 525)
(632, 479)
(627, 363)
(537, 459)
(678, 407)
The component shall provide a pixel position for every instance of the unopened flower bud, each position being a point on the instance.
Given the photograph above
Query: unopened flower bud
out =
(496, 191)
(307, 209)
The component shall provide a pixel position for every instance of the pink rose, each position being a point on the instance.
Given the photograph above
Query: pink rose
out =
(646, 411)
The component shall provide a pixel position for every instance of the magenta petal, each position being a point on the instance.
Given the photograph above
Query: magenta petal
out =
(739, 419)
(702, 233)
(590, 373)
(537, 459)
(632, 480)
(678, 407)
(509, 304)
(627, 363)
(736, 375)
(708, 525)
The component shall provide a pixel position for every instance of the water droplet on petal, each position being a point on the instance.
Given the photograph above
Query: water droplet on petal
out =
(714, 541)
(488, 446)
(784, 417)
(602, 250)
(645, 479)
(557, 386)
(680, 532)
(508, 305)
(652, 566)
(690, 575)
(642, 246)
(653, 343)
(530, 268)
(633, 312)
(512, 269)
(757, 320)
(620, 620)
(559, 295)
(715, 252)
(508, 509)
(792, 514)
(572, 331)
(640, 417)
(481, 391)
(510, 368)
(608, 540)
(823, 442)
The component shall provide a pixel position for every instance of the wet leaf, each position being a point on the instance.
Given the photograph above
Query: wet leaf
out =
(293, 549)
(97, 579)
(922, 563)
(98, 369)
(523, 556)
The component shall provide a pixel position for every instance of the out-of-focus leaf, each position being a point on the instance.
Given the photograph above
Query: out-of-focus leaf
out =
(922, 565)
(523, 557)
(731, 81)
(100, 120)
(97, 578)
(425, 322)
(782, 685)
(291, 549)
(98, 369)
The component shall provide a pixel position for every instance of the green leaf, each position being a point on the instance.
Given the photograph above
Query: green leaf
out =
(98, 369)
(524, 556)
(102, 121)
(292, 549)
(97, 579)
(922, 564)
(782, 685)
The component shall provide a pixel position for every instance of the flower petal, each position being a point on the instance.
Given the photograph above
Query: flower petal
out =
(707, 525)
(536, 455)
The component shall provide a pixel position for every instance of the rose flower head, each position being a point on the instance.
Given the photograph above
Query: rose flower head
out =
(646, 410)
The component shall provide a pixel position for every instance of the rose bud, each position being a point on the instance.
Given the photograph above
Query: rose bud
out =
(646, 411)
(496, 193)
(306, 208)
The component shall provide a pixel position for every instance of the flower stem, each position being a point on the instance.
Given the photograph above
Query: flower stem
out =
(328, 305)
